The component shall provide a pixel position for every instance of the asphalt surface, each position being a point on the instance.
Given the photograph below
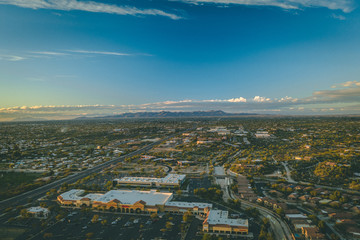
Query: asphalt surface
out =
(41, 191)
(281, 230)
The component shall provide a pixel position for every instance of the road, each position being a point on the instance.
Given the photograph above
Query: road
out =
(223, 182)
(281, 229)
(288, 173)
(41, 191)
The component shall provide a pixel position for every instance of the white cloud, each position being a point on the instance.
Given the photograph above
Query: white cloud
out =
(343, 5)
(339, 17)
(100, 52)
(12, 58)
(350, 83)
(240, 99)
(261, 99)
(88, 6)
(288, 99)
(50, 53)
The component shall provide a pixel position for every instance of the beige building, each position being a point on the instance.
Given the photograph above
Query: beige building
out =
(132, 201)
(218, 221)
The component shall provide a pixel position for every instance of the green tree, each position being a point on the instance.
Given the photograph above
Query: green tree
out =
(95, 218)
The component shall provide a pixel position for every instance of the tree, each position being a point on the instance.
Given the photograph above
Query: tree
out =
(168, 225)
(24, 213)
(187, 216)
(280, 211)
(95, 218)
(321, 225)
(47, 235)
(207, 237)
(89, 235)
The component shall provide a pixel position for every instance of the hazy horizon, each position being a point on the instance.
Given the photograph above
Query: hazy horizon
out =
(67, 59)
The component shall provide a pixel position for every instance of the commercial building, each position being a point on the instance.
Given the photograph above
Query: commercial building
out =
(171, 180)
(195, 208)
(218, 221)
(128, 201)
(39, 212)
(132, 201)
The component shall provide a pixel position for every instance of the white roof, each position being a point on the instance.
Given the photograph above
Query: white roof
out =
(296, 216)
(189, 204)
(217, 217)
(76, 194)
(151, 198)
(37, 209)
(73, 194)
(170, 178)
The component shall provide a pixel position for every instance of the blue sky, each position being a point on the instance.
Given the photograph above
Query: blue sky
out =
(65, 58)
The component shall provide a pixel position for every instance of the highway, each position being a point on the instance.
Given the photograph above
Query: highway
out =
(41, 191)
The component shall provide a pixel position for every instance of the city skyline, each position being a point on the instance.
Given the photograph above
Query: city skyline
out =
(65, 59)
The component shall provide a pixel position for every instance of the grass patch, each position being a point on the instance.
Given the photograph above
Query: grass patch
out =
(13, 183)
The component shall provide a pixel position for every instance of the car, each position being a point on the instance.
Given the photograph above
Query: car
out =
(136, 220)
(127, 224)
(148, 222)
(84, 227)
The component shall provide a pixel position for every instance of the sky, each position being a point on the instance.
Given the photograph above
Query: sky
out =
(61, 59)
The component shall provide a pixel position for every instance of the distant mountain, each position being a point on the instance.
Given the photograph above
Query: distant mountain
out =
(28, 119)
(166, 114)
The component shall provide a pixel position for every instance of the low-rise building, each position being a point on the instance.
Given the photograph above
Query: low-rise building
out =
(195, 208)
(39, 212)
(171, 180)
(132, 201)
(218, 221)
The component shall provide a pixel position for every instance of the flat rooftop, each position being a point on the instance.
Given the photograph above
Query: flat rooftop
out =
(73, 194)
(37, 209)
(130, 197)
(188, 204)
(170, 178)
(77, 194)
(217, 217)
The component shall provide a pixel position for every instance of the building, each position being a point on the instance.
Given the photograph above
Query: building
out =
(132, 201)
(195, 208)
(129, 201)
(171, 180)
(262, 134)
(75, 197)
(39, 212)
(217, 221)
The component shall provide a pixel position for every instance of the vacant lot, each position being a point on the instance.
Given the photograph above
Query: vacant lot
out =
(13, 183)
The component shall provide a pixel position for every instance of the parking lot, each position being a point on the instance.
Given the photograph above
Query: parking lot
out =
(78, 225)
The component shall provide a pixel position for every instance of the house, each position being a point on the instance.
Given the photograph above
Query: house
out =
(304, 198)
(292, 196)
